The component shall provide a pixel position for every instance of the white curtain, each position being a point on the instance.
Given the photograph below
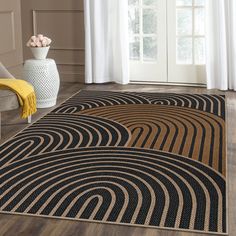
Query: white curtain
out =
(106, 41)
(221, 44)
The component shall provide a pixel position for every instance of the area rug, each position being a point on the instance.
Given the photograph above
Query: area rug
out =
(136, 159)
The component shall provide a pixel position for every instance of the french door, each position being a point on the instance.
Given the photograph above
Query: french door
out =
(167, 41)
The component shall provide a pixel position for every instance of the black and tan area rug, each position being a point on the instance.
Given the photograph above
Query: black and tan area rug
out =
(143, 159)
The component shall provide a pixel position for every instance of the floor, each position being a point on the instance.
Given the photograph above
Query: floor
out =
(12, 225)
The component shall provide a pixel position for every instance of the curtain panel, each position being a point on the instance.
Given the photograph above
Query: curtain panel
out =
(106, 41)
(221, 44)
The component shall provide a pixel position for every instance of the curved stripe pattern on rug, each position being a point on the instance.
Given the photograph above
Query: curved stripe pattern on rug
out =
(154, 160)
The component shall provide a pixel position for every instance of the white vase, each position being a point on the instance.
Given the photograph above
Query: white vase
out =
(40, 53)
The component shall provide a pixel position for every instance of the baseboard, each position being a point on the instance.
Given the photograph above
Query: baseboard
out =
(72, 77)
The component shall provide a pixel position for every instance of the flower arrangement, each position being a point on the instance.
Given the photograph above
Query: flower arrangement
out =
(39, 41)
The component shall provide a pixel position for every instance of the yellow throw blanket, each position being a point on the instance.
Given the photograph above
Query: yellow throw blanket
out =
(25, 93)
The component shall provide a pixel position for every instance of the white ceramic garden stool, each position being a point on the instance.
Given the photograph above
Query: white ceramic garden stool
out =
(44, 76)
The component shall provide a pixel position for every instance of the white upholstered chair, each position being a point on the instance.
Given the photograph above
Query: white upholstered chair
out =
(8, 99)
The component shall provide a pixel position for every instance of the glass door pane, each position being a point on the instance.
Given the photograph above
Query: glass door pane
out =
(148, 43)
(167, 41)
(186, 41)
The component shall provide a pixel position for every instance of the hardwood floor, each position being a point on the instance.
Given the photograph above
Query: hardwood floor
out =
(13, 225)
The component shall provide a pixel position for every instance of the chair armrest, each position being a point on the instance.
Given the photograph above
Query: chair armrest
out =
(4, 73)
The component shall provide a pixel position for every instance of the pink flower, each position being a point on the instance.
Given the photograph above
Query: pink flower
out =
(28, 43)
(44, 42)
(33, 38)
(38, 41)
(40, 37)
(48, 40)
(32, 44)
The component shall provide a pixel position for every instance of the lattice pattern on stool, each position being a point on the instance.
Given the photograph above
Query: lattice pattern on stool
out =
(43, 75)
